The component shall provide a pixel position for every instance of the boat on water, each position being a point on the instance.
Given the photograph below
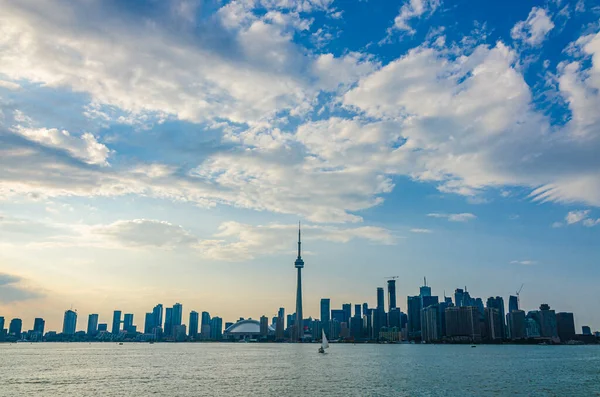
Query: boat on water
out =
(324, 343)
(120, 343)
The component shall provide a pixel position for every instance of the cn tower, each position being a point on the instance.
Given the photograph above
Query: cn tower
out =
(299, 320)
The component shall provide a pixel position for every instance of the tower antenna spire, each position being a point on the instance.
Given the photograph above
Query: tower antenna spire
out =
(299, 239)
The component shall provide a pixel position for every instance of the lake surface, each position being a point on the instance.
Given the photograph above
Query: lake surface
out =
(205, 369)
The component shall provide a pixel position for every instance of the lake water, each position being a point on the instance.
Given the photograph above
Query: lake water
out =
(204, 369)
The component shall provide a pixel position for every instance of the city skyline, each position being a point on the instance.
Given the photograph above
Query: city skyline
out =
(164, 151)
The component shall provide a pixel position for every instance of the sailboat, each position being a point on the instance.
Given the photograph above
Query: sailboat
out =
(324, 343)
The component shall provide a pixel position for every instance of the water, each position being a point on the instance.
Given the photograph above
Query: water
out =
(107, 369)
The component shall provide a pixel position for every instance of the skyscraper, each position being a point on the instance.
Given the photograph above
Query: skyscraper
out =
(148, 323)
(116, 324)
(92, 327)
(168, 321)
(430, 324)
(462, 323)
(69, 322)
(517, 326)
(299, 264)
(15, 327)
(413, 308)
(325, 314)
(193, 331)
(157, 313)
(205, 325)
(1, 325)
(424, 290)
(548, 327)
(177, 314)
(498, 303)
(128, 322)
(347, 308)
(380, 298)
(38, 326)
(565, 323)
(264, 326)
(358, 311)
(280, 324)
(391, 286)
(216, 328)
(513, 303)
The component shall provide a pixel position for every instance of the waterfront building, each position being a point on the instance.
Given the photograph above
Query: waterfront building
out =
(38, 326)
(1, 325)
(380, 299)
(517, 326)
(429, 300)
(532, 327)
(462, 323)
(458, 297)
(69, 322)
(356, 324)
(92, 325)
(243, 329)
(394, 318)
(424, 290)
(585, 330)
(430, 324)
(391, 287)
(367, 323)
(149, 323)
(102, 327)
(157, 316)
(548, 327)
(169, 321)
(413, 308)
(498, 303)
(493, 330)
(442, 314)
(216, 328)
(177, 314)
(179, 332)
(347, 308)
(338, 315)
(335, 328)
(316, 330)
(280, 325)
(513, 303)
(299, 264)
(194, 319)
(15, 327)
(116, 324)
(358, 311)
(391, 334)
(325, 314)
(565, 324)
(128, 322)
(264, 326)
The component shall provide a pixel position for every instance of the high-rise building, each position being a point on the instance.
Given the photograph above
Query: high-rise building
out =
(38, 326)
(280, 324)
(128, 322)
(92, 327)
(216, 328)
(565, 324)
(116, 324)
(493, 330)
(102, 327)
(413, 308)
(516, 324)
(394, 318)
(299, 264)
(325, 314)
(157, 316)
(425, 290)
(169, 322)
(264, 326)
(358, 311)
(69, 322)
(442, 316)
(194, 319)
(338, 315)
(380, 299)
(356, 324)
(391, 287)
(548, 327)
(15, 328)
(177, 314)
(367, 323)
(430, 324)
(513, 303)
(148, 323)
(205, 318)
(428, 301)
(347, 308)
(498, 303)
(1, 325)
(459, 294)
(462, 323)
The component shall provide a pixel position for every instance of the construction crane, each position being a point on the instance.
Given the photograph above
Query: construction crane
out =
(518, 296)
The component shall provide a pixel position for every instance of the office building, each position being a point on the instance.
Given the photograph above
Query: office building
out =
(69, 322)
(177, 314)
(1, 326)
(427, 301)
(367, 323)
(585, 330)
(424, 290)
(517, 326)
(462, 323)
(338, 315)
(38, 326)
(513, 303)
(356, 325)
(169, 321)
(15, 327)
(92, 326)
(194, 322)
(493, 330)
(548, 327)
(498, 303)
(148, 323)
(565, 325)
(358, 311)
(380, 299)
(216, 328)
(102, 327)
(128, 322)
(325, 314)
(116, 324)
(413, 309)
(430, 324)
(391, 287)
(394, 318)
(347, 308)
(280, 324)
(532, 324)
(442, 314)
(264, 326)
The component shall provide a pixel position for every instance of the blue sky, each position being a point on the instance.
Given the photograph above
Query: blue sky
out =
(163, 151)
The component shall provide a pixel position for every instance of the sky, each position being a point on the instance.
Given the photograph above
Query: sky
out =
(164, 151)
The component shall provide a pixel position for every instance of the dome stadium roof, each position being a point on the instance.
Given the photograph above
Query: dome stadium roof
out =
(246, 327)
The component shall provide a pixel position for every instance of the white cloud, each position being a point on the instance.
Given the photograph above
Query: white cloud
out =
(146, 233)
(462, 217)
(576, 216)
(9, 85)
(523, 262)
(414, 9)
(421, 231)
(534, 29)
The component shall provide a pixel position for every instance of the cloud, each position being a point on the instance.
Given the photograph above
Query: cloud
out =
(146, 233)
(12, 289)
(523, 262)
(534, 29)
(578, 216)
(414, 9)
(462, 217)
(9, 85)
(421, 231)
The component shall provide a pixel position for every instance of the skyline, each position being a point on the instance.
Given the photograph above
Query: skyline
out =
(165, 151)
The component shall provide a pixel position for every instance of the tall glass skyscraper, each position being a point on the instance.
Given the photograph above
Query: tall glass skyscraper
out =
(513, 303)
(157, 313)
(128, 322)
(69, 322)
(391, 286)
(325, 314)
(193, 330)
(116, 324)
(92, 327)
(38, 326)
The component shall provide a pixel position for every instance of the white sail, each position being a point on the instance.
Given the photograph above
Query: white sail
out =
(324, 342)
